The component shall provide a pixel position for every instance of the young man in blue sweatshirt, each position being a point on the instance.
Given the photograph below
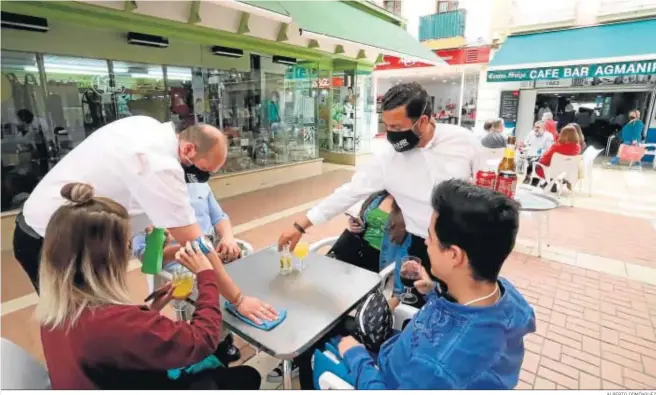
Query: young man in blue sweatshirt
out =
(475, 342)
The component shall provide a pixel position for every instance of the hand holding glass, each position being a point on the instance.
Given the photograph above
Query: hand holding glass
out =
(410, 272)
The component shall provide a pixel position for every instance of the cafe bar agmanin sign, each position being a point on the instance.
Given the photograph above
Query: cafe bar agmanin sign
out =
(598, 70)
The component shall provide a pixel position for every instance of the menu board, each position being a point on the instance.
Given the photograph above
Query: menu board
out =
(509, 105)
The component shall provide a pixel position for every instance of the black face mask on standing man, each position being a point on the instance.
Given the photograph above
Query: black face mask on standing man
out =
(405, 140)
(194, 175)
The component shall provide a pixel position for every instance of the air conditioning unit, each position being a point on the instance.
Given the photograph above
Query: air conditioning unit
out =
(284, 60)
(226, 51)
(24, 22)
(147, 40)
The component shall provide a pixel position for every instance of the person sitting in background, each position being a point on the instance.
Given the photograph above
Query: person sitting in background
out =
(567, 116)
(579, 132)
(537, 140)
(214, 222)
(568, 144)
(631, 133)
(550, 125)
(494, 138)
(475, 341)
(93, 335)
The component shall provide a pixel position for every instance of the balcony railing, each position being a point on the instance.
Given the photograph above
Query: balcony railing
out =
(442, 25)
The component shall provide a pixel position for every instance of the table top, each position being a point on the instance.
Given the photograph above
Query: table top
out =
(315, 299)
(534, 199)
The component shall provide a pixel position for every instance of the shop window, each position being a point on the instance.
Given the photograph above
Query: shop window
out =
(393, 6)
(185, 89)
(26, 135)
(139, 89)
(446, 6)
(365, 112)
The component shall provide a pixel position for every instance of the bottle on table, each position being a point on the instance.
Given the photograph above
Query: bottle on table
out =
(286, 261)
(506, 175)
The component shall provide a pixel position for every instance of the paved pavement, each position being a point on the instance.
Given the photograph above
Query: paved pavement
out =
(592, 291)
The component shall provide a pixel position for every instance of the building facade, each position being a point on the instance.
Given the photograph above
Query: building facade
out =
(279, 77)
(571, 57)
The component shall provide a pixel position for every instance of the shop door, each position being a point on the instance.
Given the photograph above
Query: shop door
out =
(650, 118)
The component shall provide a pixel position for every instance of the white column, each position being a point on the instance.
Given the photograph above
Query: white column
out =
(462, 96)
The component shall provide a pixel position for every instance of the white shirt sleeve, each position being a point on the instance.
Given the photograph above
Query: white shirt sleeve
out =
(162, 194)
(547, 142)
(367, 180)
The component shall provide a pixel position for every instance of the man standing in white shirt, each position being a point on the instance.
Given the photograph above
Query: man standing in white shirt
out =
(420, 154)
(141, 164)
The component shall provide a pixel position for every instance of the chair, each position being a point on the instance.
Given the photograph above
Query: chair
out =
(563, 168)
(588, 158)
(20, 371)
(650, 150)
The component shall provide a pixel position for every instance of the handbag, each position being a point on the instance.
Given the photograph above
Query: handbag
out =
(373, 322)
(631, 153)
(347, 248)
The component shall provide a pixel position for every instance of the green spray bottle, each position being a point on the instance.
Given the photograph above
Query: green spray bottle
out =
(154, 253)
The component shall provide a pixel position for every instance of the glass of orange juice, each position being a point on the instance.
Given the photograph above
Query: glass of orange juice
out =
(182, 283)
(301, 252)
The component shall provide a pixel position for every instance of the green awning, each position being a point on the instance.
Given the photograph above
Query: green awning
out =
(339, 20)
(635, 39)
(272, 6)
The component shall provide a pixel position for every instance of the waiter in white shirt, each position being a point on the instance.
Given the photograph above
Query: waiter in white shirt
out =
(141, 164)
(420, 155)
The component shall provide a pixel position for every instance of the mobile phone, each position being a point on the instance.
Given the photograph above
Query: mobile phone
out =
(352, 217)
(157, 293)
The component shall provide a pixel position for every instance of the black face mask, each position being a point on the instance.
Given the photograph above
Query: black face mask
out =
(403, 140)
(195, 175)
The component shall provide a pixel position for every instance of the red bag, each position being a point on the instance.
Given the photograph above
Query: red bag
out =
(631, 153)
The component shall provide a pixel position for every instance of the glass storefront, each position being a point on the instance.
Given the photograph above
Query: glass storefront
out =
(51, 103)
(353, 113)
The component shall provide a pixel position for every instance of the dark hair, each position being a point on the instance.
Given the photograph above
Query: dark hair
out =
(397, 223)
(412, 96)
(25, 115)
(488, 125)
(481, 222)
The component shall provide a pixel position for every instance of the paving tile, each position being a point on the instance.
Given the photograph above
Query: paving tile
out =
(649, 365)
(544, 384)
(522, 385)
(611, 371)
(551, 349)
(558, 378)
(526, 376)
(640, 377)
(531, 362)
(589, 382)
(598, 263)
(559, 367)
(641, 273)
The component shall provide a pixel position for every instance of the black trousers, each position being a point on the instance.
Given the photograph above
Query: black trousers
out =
(235, 378)
(27, 249)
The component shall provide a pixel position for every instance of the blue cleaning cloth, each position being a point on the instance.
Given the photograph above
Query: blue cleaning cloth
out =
(265, 325)
(211, 362)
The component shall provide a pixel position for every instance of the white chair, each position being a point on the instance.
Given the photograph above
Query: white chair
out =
(588, 158)
(20, 371)
(563, 168)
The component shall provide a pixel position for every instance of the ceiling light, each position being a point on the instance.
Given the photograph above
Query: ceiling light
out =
(229, 52)
(147, 40)
(24, 22)
(444, 81)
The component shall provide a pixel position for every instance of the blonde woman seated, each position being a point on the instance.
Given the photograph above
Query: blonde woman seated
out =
(93, 336)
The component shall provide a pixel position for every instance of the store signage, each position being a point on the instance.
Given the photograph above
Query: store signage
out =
(509, 106)
(594, 70)
(453, 56)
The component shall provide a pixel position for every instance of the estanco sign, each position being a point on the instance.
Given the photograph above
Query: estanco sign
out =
(593, 70)
(454, 56)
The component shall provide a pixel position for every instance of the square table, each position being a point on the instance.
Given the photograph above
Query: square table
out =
(316, 299)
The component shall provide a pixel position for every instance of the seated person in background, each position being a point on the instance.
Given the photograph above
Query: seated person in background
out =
(631, 133)
(568, 144)
(93, 335)
(550, 126)
(537, 141)
(494, 138)
(475, 341)
(213, 221)
(579, 132)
